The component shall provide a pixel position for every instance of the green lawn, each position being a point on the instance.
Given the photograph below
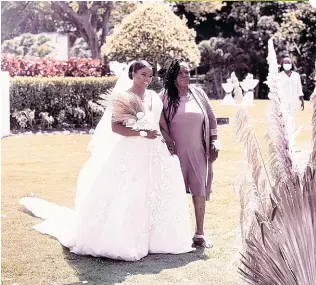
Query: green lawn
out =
(48, 166)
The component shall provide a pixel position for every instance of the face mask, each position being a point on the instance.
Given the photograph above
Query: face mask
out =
(287, 66)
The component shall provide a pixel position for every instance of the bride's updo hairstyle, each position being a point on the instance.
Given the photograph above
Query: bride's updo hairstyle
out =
(137, 65)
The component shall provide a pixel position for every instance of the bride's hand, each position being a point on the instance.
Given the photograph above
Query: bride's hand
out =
(152, 134)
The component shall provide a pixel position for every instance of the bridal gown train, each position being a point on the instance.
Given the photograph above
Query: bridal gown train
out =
(128, 205)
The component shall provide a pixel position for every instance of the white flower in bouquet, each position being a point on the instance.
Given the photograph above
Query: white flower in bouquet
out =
(143, 123)
(140, 115)
(130, 123)
(128, 109)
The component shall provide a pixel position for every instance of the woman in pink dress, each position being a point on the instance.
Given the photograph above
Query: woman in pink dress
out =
(191, 129)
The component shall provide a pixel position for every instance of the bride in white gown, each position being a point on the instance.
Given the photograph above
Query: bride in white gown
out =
(131, 198)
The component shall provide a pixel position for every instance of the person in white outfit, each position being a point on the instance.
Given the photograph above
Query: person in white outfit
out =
(291, 88)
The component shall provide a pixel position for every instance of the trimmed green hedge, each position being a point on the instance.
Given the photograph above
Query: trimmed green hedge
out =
(59, 102)
(56, 102)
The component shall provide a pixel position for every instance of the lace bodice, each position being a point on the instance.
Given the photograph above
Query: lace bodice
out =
(157, 108)
(153, 106)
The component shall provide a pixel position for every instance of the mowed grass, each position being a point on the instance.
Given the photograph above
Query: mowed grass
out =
(48, 166)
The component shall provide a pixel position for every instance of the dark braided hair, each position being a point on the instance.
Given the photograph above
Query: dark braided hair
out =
(137, 65)
(171, 89)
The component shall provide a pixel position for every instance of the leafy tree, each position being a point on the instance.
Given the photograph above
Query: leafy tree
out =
(80, 47)
(152, 32)
(20, 17)
(220, 58)
(200, 9)
(29, 45)
(296, 37)
(120, 10)
(252, 24)
(87, 18)
(90, 20)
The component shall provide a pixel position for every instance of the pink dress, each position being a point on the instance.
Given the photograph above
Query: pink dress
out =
(186, 129)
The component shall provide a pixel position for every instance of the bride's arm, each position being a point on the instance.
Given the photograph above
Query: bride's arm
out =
(166, 135)
(163, 123)
(127, 132)
(164, 127)
(123, 131)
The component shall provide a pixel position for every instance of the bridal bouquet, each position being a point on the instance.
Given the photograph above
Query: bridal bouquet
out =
(128, 109)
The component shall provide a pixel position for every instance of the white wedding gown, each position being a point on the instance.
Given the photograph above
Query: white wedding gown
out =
(129, 204)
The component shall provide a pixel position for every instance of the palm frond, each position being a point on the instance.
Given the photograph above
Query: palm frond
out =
(254, 191)
(245, 135)
(125, 105)
(281, 249)
(288, 253)
(313, 155)
(281, 137)
(249, 203)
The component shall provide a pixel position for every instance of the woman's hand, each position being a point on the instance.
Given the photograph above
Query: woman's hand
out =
(169, 142)
(171, 146)
(152, 134)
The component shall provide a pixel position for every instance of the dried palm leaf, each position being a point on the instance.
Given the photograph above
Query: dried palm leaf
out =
(249, 203)
(313, 155)
(245, 135)
(253, 192)
(288, 254)
(284, 252)
(281, 137)
(125, 106)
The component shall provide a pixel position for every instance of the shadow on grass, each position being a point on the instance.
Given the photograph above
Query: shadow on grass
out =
(103, 271)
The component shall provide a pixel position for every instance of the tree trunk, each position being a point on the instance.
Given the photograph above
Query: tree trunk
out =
(216, 86)
(221, 81)
(155, 69)
(86, 21)
(105, 24)
(90, 34)
(93, 44)
(256, 96)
